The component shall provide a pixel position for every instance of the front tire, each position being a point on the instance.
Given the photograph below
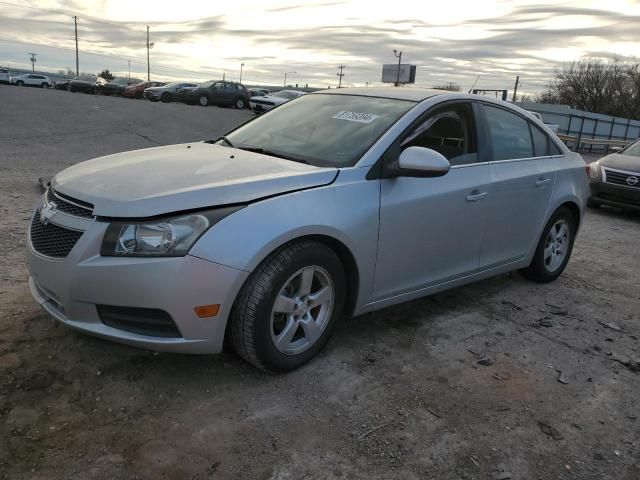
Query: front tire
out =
(20, 83)
(554, 247)
(166, 97)
(286, 311)
(203, 101)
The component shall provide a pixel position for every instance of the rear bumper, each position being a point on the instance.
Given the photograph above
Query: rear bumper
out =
(70, 289)
(616, 195)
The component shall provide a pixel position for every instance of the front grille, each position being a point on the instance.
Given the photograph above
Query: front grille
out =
(51, 240)
(71, 206)
(620, 178)
(143, 321)
(617, 197)
(261, 102)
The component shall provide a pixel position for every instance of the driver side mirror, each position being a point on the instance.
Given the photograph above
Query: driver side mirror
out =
(616, 148)
(420, 162)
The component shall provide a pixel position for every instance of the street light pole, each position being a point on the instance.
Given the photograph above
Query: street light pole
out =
(148, 66)
(241, 67)
(75, 23)
(399, 57)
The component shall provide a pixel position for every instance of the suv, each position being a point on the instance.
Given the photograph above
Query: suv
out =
(86, 84)
(5, 77)
(31, 79)
(221, 93)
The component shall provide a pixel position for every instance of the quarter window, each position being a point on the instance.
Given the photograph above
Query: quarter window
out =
(510, 135)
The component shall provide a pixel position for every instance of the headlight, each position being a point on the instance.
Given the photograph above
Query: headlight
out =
(167, 237)
(594, 171)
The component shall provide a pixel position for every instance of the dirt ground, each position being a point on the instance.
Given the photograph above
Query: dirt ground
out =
(503, 379)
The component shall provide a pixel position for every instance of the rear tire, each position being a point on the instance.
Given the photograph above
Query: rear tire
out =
(166, 97)
(20, 83)
(44, 85)
(554, 248)
(239, 103)
(260, 330)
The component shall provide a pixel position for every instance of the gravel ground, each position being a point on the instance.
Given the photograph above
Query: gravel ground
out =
(503, 379)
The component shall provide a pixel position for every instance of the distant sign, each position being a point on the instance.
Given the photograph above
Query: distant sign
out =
(390, 73)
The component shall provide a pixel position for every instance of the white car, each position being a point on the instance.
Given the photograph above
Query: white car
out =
(5, 77)
(553, 127)
(31, 80)
(267, 102)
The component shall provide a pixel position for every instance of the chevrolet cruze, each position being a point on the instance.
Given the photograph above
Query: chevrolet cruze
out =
(337, 203)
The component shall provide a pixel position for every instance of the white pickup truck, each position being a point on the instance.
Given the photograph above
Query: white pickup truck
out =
(552, 126)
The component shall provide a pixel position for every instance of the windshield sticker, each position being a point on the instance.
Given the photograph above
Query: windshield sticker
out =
(356, 117)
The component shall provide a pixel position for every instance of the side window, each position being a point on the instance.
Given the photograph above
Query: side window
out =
(449, 131)
(540, 141)
(510, 135)
(218, 86)
(554, 149)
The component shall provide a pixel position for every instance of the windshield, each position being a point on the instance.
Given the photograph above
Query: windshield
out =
(119, 80)
(633, 149)
(322, 129)
(207, 84)
(286, 94)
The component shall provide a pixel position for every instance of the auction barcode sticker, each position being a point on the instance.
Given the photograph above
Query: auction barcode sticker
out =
(356, 117)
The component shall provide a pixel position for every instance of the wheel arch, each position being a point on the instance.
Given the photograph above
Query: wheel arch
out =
(573, 208)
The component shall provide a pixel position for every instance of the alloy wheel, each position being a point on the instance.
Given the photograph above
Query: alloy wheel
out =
(302, 310)
(557, 245)
(204, 101)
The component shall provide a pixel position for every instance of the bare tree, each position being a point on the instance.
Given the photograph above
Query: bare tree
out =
(612, 88)
(449, 86)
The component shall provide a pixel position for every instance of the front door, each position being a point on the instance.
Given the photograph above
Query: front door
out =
(432, 229)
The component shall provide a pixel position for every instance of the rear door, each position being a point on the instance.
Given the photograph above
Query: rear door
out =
(432, 229)
(523, 177)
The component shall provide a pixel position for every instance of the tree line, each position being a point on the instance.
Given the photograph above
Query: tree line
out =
(611, 88)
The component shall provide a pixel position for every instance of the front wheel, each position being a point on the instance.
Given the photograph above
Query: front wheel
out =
(204, 100)
(20, 83)
(166, 97)
(288, 308)
(554, 248)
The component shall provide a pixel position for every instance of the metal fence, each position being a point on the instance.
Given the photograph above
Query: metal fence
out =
(584, 126)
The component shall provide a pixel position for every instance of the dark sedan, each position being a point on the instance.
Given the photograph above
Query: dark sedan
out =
(221, 93)
(86, 84)
(117, 85)
(615, 179)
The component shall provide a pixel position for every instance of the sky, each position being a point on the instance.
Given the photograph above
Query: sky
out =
(486, 43)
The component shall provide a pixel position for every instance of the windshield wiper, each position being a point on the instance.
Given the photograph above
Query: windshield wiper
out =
(271, 153)
(224, 139)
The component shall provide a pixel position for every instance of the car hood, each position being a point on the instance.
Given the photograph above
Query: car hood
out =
(155, 181)
(621, 162)
(271, 98)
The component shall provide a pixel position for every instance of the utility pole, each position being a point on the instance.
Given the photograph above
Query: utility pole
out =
(33, 61)
(399, 57)
(515, 89)
(129, 68)
(241, 67)
(340, 75)
(148, 65)
(75, 25)
(285, 78)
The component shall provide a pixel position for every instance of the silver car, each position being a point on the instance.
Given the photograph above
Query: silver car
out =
(339, 203)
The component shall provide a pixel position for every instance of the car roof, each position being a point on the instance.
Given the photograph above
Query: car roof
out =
(401, 93)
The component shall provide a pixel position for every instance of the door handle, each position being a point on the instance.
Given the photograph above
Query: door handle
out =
(475, 196)
(542, 182)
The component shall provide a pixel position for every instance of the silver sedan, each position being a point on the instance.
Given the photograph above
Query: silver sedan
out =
(335, 204)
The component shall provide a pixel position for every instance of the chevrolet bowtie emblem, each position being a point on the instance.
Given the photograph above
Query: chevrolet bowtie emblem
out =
(46, 213)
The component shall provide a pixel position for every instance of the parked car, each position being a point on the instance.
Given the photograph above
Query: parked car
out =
(615, 179)
(183, 94)
(339, 203)
(31, 80)
(86, 84)
(62, 84)
(267, 102)
(552, 126)
(5, 76)
(258, 92)
(137, 90)
(166, 93)
(117, 85)
(221, 93)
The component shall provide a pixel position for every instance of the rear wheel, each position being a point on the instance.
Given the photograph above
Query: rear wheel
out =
(239, 103)
(554, 248)
(20, 83)
(288, 308)
(166, 97)
(44, 85)
(203, 100)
